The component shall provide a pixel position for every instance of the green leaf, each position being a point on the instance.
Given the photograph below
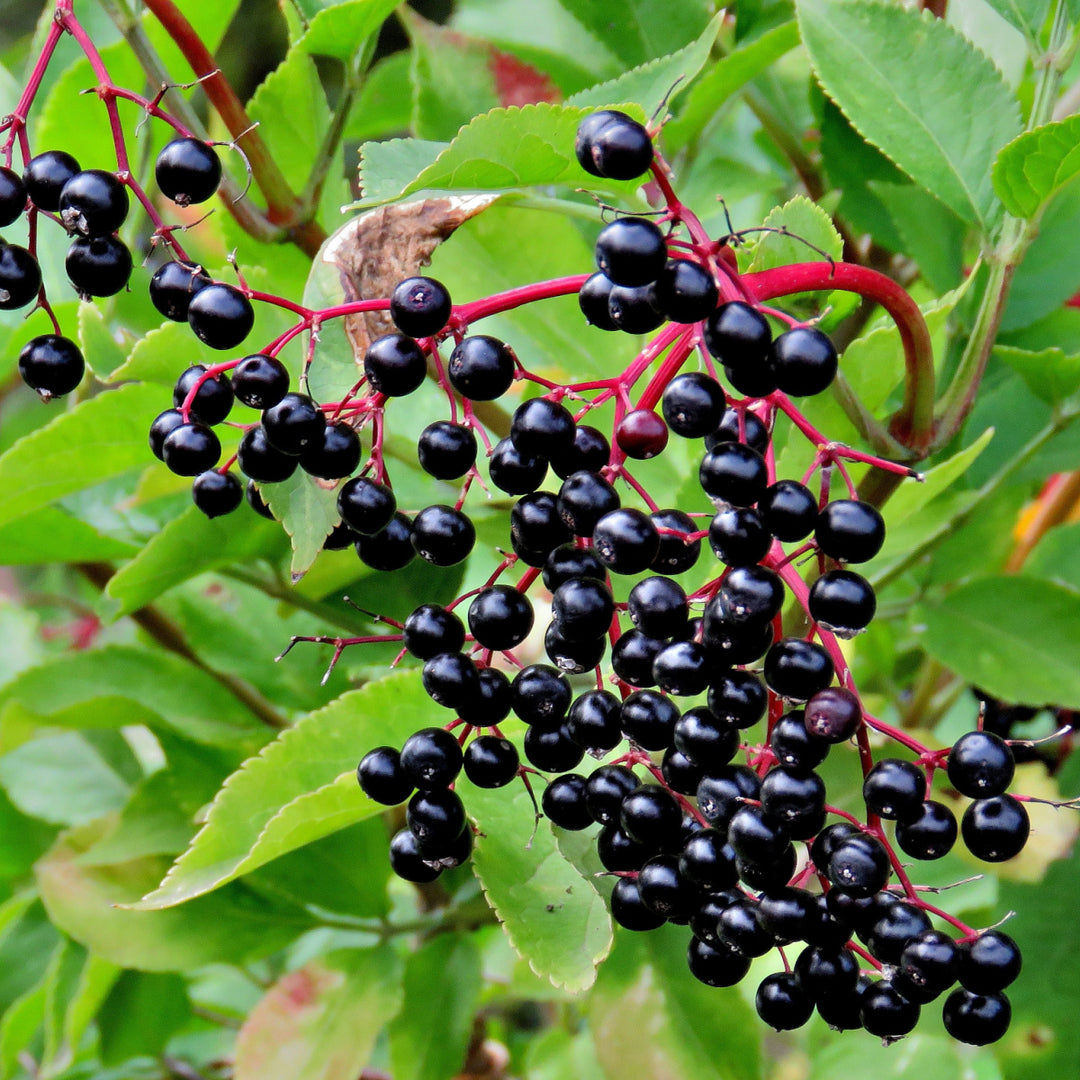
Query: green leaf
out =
(142, 1012)
(916, 88)
(430, 1036)
(96, 981)
(1015, 637)
(726, 78)
(305, 762)
(388, 168)
(307, 510)
(344, 30)
(554, 917)
(929, 1057)
(1050, 375)
(188, 545)
(24, 840)
(506, 148)
(556, 1054)
(21, 1022)
(102, 352)
(161, 355)
(1056, 557)
(1035, 166)
(204, 712)
(49, 535)
(320, 1022)
(650, 84)
(89, 904)
(290, 108)
(1027, 16)
(110, 433)
(804, 221)
(692, 1029)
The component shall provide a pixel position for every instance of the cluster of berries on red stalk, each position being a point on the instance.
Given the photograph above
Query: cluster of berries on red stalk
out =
(699, 808)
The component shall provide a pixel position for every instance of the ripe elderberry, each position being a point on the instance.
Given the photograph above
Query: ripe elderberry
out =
(420, 306)
(172, 288)
(52, 365)
(12, 196)
(216, 493)
(45, 177)
(20, 277)
(93, 203)
(220, 316)
(613, 145)
(96, 266)
(260, 381)
(187, 171)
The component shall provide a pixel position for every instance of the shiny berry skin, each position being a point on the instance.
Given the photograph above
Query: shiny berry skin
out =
(928, 965)
(626, 541)
(584, 498)
(976, 1019)
(641, 434)
(658, 607)
(664, 890)
(686, 291)
(260, 461)
(20, 277)
(850, 531)
(789, 510)
(187, 171)
(733, 473)
(563, 802)
(594, 721)
(674, 554)
(173, 286)
(631, 251)
(481, 368)
(634, 309)
(796, 799)
(536, 528)
(407, 862)
(795, 748)
(436, 818)
(420, 306)
(52, 365)
(294, 425)
(980, 764)
(390, 548)
(365, 505)
(618, 852)
(573, 656)
(491, 762)
(743, 426)
(605, 790)
(566, 562)
(649, 719)
(491, 704)
(755, 836)
(629, 910)
(443, 535)
(93, 203)
(213, 400)
(721, 795)
(897, 923)
(430, 629)
(45, 177)
(381, 777)
(190, 449)
(12, 196)
(895, 790)
(751, 596)
(798, 669)
(336, 456)
(989, 963)
(613, 145)
(593, 299)
(737, 335)
(843, 602)
(650, 815)
(740, 927)
(859, 865)
(781, 1003)
(552, 751)
(255, 500)
(582, 608)
(719, 966)
(931, 834)
(99, 266)
(339, 538)
(738, 698)
(693, 404)
(886, 1013)
(803, 361)
(395, 365)
(260, 381)
(708, 861)
(705, 740)
(995, 829)
(514, 472)
(540, 696)
(738, 537)
(833, 714)
(682, 668)
(446, 451)
(632, 657)
(751, 381)
(163, 423)
(543, 427)
(450, 679)
(216, 493)
(221, 316)
(500, 617)
(590, 452)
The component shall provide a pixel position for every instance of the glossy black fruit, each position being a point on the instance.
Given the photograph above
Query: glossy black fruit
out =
(216, 493)
(99, 266)
(187, 171)
(45, 177)
(52, 365)
(173, 286)
(221, 316)
(420, 306)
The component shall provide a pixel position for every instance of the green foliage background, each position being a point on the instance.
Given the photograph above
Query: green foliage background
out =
(191, 884)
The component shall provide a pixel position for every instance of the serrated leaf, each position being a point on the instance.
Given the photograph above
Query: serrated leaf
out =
(388, 168)
(320, 1022)
(1034, 167)
(650, 84)
(160, 355)
(87, 903)
(917, 89)
(343, 30)
(553, 916)
(804, 221)
(308, 513)
(110, 433)
(692, 1029)
(188, 545)
(508, 148)
(1050, 375)
(1015, 637)
(430, 1036)
(724, 79)
(308, 758)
